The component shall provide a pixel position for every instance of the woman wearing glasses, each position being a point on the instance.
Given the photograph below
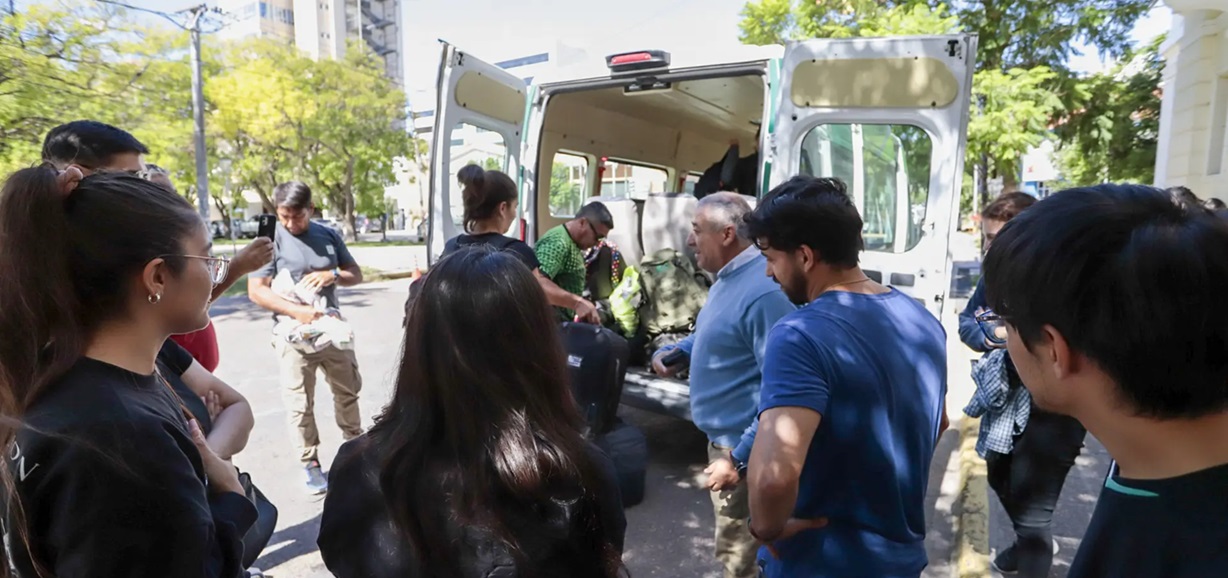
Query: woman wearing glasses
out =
(1028, 451)
(110, 476)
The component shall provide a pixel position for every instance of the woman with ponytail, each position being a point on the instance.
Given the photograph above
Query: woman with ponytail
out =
(106, 475)
(490, 209)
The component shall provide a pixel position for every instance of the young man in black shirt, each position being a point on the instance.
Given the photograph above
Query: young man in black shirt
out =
(1113, 300)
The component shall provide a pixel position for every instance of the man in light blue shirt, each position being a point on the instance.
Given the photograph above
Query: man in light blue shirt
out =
(726, 358)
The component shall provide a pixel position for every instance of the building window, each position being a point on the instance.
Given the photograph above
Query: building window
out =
(626, 180)
(1219, 126)
(264, 9)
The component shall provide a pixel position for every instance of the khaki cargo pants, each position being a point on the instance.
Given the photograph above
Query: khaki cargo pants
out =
(736, 549)
(298, 382)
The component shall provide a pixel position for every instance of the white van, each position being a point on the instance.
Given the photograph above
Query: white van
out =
(886, 115)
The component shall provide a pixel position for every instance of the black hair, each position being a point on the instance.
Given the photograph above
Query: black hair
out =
(1214, 204)
(88, 143)
(475, 439)
(1184, 197)
(811, 211)
(1129, 279)
(294, 195)
(68, 262)
(483, 192)
(1007, 206)
(597, 212)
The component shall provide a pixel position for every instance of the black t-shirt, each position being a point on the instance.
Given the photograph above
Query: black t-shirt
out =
(517, 247)
(111, 484)
(1171, 528)
(173, 361)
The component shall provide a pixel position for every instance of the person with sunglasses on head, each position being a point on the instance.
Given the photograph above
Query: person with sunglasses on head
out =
(1112, 300)
(316, 261)
(852, 399)
(1028, 451)
(560, 253)
(106, 475)
(91, 146)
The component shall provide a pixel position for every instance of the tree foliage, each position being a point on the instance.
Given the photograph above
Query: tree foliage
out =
(1022, 83)
(272, 114)
(1113, 131)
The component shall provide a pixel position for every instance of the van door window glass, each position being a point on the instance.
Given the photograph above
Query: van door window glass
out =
(568, 179)
(472, 145)
(625, 180)
(887, 171)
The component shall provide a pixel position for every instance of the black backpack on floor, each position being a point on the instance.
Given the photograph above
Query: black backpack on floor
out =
(628, 449)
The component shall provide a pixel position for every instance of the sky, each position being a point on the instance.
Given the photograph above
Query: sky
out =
(500, 30)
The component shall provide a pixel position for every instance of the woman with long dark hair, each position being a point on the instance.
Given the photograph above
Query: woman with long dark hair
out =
(106, 475)
(476, 467)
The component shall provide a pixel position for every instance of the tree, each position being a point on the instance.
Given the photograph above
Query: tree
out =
(356, 130)
(1112, 133)
(565, 195)
(1022, 82)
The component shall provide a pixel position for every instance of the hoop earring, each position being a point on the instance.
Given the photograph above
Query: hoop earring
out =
(154, 299)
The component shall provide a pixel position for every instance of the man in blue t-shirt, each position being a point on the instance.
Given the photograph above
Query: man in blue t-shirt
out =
(851, 403)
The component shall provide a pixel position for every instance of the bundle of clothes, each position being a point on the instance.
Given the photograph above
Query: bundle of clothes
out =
(329, 329)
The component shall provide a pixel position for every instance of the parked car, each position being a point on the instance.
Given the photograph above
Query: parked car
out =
(218, 229)
(369, 225)
(330, 223)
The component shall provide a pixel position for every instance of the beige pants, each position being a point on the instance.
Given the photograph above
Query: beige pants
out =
(298, 380)
(735, 547)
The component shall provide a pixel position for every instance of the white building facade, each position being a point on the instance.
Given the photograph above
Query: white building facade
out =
(1192, 149)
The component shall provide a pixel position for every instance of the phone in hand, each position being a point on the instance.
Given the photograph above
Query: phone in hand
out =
(268, 226)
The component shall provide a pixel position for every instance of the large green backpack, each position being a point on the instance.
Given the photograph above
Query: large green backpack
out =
(673, 292)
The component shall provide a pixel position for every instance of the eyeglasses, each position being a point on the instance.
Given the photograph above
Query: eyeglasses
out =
(989, 323)
(218, 266)
(596, 236)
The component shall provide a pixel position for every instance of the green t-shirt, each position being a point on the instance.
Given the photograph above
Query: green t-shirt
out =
(562, 261)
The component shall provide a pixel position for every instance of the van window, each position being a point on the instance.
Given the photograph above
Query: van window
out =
(689, 182)
(473, 145)
(568, 180)
(626, 180)
(887, 171)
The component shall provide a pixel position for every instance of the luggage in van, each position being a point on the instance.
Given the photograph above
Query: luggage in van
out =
(673, 292)
(597, 358)
(628, 449)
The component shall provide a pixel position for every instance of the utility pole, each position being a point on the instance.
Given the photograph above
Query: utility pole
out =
(194, 16)
(198, 113)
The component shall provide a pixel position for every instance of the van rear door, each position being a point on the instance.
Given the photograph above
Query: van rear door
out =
(889, 117)
(479, 119)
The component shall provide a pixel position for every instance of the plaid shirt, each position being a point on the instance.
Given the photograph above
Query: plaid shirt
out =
(1004, 410)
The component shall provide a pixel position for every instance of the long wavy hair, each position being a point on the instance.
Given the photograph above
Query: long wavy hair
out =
(482, 431)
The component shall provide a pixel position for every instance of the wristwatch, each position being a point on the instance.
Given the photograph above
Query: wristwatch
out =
(336, 273)
(738, 465)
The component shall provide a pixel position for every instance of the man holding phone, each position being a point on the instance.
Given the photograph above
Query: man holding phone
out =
(316, 259)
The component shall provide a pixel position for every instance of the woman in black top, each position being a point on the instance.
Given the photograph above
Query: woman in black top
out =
(490, 209)
(224, 415)
(477, 467)
(110, 477)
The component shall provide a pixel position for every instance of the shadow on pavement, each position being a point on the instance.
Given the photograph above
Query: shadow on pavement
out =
(288, 544)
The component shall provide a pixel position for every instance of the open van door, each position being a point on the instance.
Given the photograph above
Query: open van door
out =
(479, 119)
(889, 117)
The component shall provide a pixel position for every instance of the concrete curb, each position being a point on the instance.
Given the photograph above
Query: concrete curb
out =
(971, 552)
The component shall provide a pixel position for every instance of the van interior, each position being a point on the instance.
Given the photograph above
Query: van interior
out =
(640, 153)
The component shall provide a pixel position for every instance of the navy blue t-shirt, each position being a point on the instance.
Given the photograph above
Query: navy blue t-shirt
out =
(875, 368)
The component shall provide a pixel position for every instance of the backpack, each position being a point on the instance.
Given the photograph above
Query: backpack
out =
(673, 292)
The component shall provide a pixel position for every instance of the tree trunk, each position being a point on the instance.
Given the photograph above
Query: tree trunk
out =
(347, 191)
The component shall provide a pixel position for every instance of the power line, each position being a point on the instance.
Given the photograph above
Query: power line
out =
(192, 19)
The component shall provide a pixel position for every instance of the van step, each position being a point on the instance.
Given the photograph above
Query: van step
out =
(644, 390)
